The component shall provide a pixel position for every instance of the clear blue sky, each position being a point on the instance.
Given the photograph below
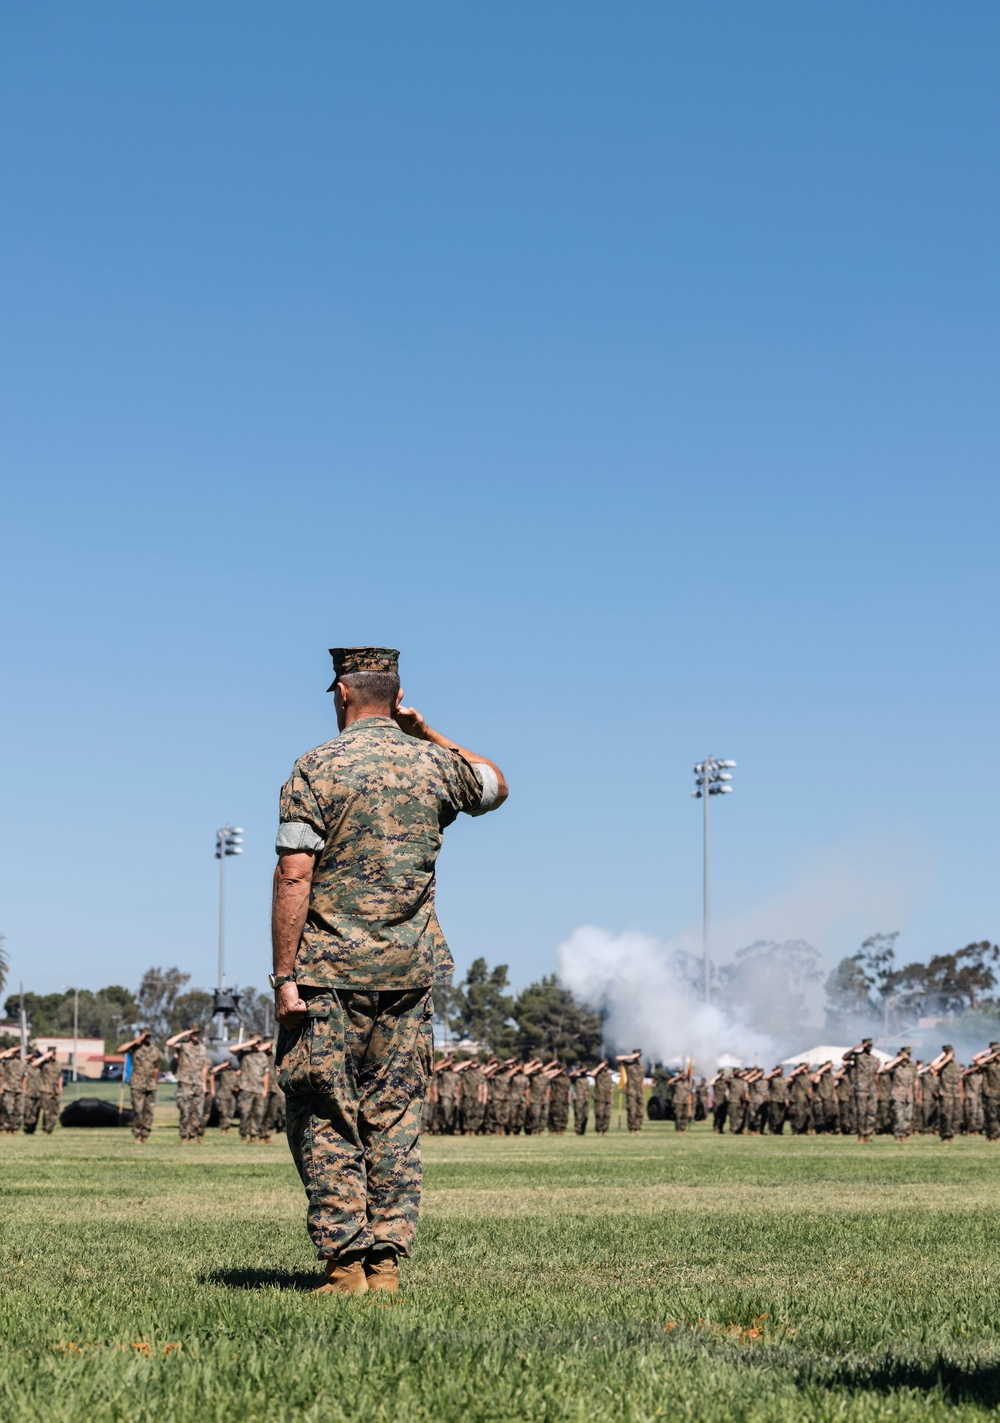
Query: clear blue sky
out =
(633, 369)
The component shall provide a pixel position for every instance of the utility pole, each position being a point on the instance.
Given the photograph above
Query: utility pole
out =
(711, 777)
(76, 1032)
(24, 1023)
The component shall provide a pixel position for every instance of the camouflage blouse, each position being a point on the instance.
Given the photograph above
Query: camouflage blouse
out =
(373, 804)
(145, 1061)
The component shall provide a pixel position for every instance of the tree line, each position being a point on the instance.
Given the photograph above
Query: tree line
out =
(543, 1020)
(164, 1004)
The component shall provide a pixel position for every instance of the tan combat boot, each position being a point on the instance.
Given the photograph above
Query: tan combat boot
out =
(383, 1273)
(343, 1279)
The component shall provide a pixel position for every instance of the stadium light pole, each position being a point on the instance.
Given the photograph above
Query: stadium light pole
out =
(711, 777)
(228, 841)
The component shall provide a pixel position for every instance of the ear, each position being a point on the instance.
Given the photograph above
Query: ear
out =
(341, 696)
(399, 700)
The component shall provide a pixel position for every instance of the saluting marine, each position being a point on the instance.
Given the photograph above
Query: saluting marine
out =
(143, 1077)
(357, 947)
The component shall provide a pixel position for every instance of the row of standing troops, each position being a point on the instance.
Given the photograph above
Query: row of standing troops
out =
(199, 1084)
(862, 1097)
(487, 1097)
(30, 1089)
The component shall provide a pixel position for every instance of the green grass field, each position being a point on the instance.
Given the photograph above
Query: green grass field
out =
(555, 1279)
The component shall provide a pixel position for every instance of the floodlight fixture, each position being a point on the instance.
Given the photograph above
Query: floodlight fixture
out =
(711, 777)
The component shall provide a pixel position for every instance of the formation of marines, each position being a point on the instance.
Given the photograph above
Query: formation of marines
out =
(484, 1096)
(30, 1088)
(862, 1096)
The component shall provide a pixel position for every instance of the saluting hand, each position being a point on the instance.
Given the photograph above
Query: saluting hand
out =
(408, 719)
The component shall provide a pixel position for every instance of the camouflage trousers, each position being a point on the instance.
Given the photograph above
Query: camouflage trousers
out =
(143, 1102)
(473, 1115)
(776, 1118)
(902, 1115)
(226, 1103)
(636, 1107)
(602, 1112)
(535, 1116)
(558, 1114)
(681, 1115)
(865, 1111)
(446, 1114)
(11, 1107)
(736, 1110)
(190, 1105)
(45, 1107)
(274, 1113)
(800, 1116)
(252, 1108)
(720, 1114)
(354, 1076)
(991, 1116)
(581, 1111)
(949, 1115)
(973, 1114)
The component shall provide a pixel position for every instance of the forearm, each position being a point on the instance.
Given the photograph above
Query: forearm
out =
(289, 910)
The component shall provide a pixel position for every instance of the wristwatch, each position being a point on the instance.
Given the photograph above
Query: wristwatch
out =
(279, 980)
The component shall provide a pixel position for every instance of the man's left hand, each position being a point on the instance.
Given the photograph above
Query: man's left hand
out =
(289, 1007)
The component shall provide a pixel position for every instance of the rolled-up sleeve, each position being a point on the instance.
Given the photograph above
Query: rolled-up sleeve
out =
(489, 787)
(301, 824)
(296, 835)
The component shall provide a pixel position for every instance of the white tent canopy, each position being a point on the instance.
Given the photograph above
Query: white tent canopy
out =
(825, 1052)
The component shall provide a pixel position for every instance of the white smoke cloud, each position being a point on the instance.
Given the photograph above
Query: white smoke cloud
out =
(637, 982)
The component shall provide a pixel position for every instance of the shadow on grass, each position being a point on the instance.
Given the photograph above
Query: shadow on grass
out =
(977, 1383)
(298, 1280)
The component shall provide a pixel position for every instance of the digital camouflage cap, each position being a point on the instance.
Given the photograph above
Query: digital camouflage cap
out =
(347, 660)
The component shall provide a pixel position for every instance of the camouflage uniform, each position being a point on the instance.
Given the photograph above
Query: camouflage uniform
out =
(800, 1103)
(32, 1095)
(473, 1110)
(518, 1101)
(825, 1103)
(991, 1100)
(883, 1112)
(720, 1104)
(559, 1103)
(581, 1103)
(501, 1102)
(776, 1103)
(701, 1101)
(737, 1092)
(635, 1094)
(191, 1060)
(973, 1085)
(680, 1096)
(51, 1083)
(904, 1074)
(757, 1105)
(274, 1102)
(845, 1102)
(142, 1085)
(226, 1085)
(537, 1113)
(865, 1098)
(11, 1094)
(372, 805)
(929, 1092)
(949, 1100)
(603, 1090)
(447, 1086)
(253, 1099)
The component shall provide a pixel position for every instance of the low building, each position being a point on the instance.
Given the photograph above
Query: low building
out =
(89, 1053)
